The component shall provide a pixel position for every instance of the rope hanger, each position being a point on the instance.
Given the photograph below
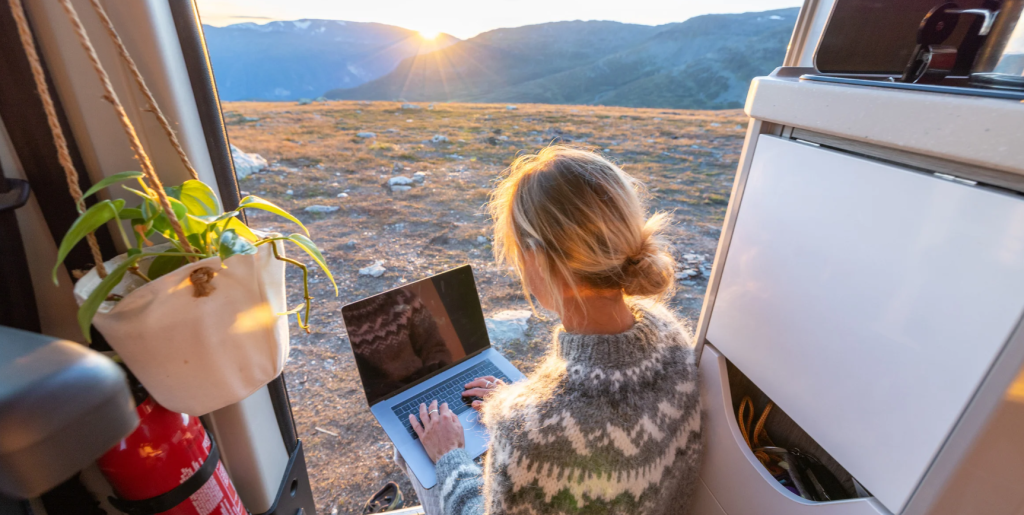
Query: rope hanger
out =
(25, 35)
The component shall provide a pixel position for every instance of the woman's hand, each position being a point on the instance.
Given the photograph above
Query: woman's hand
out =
(439, 430)
(481, 387)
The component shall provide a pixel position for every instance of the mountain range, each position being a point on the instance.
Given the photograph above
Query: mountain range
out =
(705, 62)
(289, 60)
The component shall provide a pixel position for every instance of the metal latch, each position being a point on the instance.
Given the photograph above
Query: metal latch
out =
(15, 196)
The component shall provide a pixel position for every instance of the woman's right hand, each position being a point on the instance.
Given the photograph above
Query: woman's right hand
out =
(481, 387)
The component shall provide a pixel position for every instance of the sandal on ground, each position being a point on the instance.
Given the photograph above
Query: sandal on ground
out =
(388, 498)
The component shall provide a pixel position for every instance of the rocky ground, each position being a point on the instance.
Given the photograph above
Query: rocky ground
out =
(399, 192)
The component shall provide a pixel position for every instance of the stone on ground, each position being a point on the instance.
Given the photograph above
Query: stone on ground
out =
(375, 270)
(321, 209)
(419, 177)
(366, 134)
(247, 164)
(399, 180)
(410, 106)
(506, 326)
(439, 138)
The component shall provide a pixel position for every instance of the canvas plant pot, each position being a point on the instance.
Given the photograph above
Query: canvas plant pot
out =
(199, 354)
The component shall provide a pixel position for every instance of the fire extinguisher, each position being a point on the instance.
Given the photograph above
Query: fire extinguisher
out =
(169, 465)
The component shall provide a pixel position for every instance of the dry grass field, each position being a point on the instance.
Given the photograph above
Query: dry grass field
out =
(687, 159)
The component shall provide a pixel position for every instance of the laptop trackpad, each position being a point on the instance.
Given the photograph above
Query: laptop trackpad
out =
(476, 436)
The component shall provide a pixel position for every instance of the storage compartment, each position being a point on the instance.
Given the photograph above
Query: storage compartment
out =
(731, 473)
(868, 301)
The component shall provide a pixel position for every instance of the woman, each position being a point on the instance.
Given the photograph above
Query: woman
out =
(610, 421)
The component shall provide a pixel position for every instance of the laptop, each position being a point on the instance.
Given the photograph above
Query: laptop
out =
(422, 342)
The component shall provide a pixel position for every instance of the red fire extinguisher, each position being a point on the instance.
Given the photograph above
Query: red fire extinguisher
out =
(169, 465)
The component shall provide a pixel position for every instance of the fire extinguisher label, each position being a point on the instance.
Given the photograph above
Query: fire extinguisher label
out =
(210, 499)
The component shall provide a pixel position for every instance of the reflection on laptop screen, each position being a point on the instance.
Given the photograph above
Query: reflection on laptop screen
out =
(403, 335)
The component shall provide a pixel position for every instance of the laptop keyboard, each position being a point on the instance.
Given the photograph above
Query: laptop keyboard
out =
(449, 391)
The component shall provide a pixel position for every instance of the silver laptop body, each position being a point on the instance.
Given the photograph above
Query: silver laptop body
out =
(421, 342)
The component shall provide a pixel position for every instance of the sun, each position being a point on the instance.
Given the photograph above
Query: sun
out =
(429, 35)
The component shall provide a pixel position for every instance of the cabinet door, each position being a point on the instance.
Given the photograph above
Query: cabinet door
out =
(868, 301)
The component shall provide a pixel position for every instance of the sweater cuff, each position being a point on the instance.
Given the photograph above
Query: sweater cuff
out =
(451, 462)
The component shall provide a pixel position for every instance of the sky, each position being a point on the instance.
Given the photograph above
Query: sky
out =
(467, 18)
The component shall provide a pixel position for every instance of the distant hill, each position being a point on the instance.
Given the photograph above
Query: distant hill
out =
(288, 60)
(705, 62)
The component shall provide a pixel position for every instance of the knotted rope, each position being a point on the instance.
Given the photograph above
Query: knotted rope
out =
(153, 108)
(133, 139)
(63, 155)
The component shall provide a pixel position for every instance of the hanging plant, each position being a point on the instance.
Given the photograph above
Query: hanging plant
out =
(199, 316)
(208, 230)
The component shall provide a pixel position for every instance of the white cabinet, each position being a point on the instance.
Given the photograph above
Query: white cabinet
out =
(868, 301)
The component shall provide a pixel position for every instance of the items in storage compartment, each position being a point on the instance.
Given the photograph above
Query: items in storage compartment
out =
(791, 456)
(735, 479)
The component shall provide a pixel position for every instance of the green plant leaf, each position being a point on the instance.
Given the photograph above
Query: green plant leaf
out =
(88, 309)
(161, 223)
(162, 265)
(193, 224)
(130, 213)
(199, 198)
(107, 181)
(92, 219)
(242, 229)
(258, 203)
(307, 245)
(232, 244)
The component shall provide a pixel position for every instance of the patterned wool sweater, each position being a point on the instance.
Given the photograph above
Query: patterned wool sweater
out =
(606, 424)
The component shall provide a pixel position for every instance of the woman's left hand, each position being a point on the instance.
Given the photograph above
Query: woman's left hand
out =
(439, 430)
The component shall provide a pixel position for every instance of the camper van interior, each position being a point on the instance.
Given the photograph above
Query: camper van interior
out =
(860, 342)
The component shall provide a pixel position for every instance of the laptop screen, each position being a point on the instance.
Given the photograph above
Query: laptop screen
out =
(407, 334)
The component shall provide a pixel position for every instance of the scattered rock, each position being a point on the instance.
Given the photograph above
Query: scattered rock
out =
(410, 106)
(247, 164)
(439, 138)
(350, 244)
(289, 192)
(481, 239)
(399, 180)
(688, 273)
(692, 258)
(401, 188)
(511, 108)
(321, 209)
(508, 325)
(375, 270)
(392, 131)
(305, 101)
(342, 195)
(419, 177)
(366, 134)
(321, 99)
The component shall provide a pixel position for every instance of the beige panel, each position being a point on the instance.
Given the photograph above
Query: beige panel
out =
(56, 304)
(989, 479)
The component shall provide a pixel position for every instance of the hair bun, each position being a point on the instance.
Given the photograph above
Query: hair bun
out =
(650, 271)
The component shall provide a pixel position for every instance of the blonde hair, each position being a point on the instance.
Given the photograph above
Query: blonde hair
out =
(586, 221)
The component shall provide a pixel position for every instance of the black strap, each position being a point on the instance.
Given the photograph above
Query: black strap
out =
(176, 495)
